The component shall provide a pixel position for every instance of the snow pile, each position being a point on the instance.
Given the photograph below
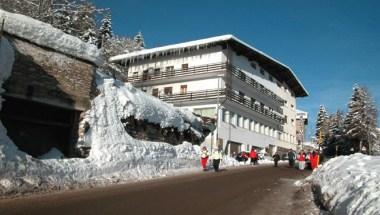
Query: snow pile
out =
(349, 184)
(46, 35)
(115, 156)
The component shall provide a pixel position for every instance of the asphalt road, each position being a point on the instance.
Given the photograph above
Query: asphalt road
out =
(245, 190)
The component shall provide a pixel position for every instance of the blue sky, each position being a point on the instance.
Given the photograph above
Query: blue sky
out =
(330, 45)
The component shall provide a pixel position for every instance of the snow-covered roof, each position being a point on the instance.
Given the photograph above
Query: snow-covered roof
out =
(275, 67)
(45, 35)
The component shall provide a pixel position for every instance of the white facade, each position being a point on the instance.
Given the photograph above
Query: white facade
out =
(255, 108)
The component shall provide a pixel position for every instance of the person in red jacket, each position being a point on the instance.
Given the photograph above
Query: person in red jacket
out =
(314, 159)
(204, 157)
(301, 160)
(253, 156)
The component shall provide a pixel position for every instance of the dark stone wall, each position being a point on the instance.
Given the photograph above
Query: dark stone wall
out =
(44, 97)
(50, 77)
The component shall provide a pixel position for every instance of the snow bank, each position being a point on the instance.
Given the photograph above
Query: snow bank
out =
(115, 156)
(46, 35)
(350, 184)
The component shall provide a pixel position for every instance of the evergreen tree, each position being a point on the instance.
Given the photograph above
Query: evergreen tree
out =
(322, 122)
(335, 135)
(139, 41)
(105, 31)
(360, 123)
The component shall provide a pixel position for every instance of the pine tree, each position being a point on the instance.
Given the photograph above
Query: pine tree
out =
(105, 31)
(360, 123)
(139, 41)
(322, 122)
(335, 139)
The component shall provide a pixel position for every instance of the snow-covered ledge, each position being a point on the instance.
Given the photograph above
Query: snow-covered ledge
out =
(45, 35)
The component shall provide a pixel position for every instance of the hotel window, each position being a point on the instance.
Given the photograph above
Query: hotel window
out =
(157, 71)
(262, 129)
(252, 125)
(257, 127)
(240, 120)
(270, 78)
(262, 72)
(226, 116)
(155, 92)
(246, 123)
(233, 118)
(185, 67)
(253, 65)
(170, 70)
(241, 97)
(183, 89)
(168, 90)
(253, 102)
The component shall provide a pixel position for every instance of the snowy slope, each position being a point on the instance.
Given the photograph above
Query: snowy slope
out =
(46, 35)
(350, 184)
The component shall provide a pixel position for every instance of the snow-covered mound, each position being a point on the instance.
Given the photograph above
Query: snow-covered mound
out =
(115, 155)
(350, 184)
(46, 35)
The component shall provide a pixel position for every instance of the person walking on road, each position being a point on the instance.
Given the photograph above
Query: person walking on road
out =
(301, 160)
(314, 159)
(216, 157)
(291, 157)
(276, 158)
(204, 157)
(253, 156)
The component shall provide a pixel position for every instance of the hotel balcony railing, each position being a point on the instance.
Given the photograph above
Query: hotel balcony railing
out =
(235, 97)
(193, 96)
(204, 69)
(157, 75)
(236, 72)
(222, 93)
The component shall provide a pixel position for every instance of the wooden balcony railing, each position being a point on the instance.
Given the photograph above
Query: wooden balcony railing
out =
(220, 67)
(235, 97)
(236, 72)
(157, 75)
(193, 96)
(222, 93)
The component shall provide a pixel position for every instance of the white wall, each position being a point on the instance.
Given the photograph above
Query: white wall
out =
(283, 91)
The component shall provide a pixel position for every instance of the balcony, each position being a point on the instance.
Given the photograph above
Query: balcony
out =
(236, 72)
(193, 96)
(191, 71)
(153, 77)
(235, 97)
(213, 94)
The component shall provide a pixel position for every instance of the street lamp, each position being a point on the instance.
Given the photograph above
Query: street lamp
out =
(217, 109)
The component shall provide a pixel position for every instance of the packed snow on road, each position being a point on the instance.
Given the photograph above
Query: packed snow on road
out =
(349, 184)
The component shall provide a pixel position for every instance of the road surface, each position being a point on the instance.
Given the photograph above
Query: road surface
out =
(262, 189)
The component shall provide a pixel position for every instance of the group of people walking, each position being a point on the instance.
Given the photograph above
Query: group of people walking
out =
(313, 158)
(216, 157)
